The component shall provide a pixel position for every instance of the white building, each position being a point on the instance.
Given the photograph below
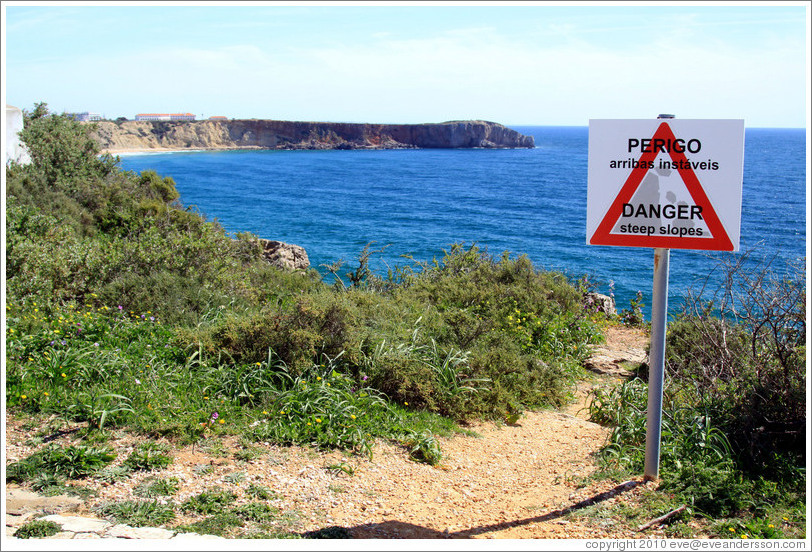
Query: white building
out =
(165, 117)
(85, 116)
(15, 150)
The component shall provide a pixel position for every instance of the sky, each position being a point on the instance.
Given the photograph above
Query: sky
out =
(520, 63)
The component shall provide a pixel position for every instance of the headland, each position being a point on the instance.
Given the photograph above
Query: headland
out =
(132, 136)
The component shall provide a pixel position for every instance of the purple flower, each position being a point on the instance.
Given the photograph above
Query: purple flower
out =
(214, 415)
(364, 378)
(120, 307)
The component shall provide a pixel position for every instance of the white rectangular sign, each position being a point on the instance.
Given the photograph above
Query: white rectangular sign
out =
(665, 183)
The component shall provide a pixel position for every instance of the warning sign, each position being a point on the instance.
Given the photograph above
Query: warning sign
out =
(672, 183)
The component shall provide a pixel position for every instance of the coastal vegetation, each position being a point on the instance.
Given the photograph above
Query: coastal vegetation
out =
(126, 310)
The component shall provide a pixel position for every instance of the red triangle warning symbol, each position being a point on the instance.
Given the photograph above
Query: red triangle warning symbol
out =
(605, 233)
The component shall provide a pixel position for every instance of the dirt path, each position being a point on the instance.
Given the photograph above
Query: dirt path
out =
(514, 482)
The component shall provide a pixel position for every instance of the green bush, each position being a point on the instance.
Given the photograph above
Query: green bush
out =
(733, 402)
(37, 529)
(423, 447)
(744, 354)
(148, 456)
(219, 524)
(70, 462)
(211, 501)
(138, 513)
(126, 309)
(150, 488)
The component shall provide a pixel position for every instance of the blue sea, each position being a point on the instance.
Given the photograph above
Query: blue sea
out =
(418, 203)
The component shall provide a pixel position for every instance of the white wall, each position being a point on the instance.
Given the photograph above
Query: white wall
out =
(15, 150)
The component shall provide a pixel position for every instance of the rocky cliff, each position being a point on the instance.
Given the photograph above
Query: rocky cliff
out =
(266, 134)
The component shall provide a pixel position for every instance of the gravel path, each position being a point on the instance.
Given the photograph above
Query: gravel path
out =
(509, 482)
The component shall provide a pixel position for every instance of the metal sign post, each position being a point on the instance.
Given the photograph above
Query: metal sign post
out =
(656, 359)
(656, 371)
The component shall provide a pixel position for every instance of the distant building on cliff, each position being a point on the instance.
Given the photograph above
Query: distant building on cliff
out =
(85, 116)
(218, 118)
(15, 149)
(165, 117)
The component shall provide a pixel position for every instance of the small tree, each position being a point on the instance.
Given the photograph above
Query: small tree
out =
(61, 148)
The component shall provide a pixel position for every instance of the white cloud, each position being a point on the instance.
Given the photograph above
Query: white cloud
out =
(474, 72)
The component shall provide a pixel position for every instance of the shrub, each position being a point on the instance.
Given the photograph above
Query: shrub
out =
(423, 447)
(157, 487)
(218, 524)
(744, 350)
(139, 513)
(70, 462)
(37, 529)
(148, 456)
(211, 501)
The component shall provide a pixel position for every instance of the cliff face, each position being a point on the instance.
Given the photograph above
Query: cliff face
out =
(267, 134)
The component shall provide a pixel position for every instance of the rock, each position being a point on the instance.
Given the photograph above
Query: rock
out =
(599, 303)
(292, 135)
(78, 524)
(20, 501)
(284, 255)
(127, 532)
(196, 536)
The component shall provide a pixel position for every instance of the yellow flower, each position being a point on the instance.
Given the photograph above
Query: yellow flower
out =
(352, 416)
(222, 421)
(45, 393)
(407, 404)
(205, 398)
(281, 411)
(23, 397)
(318, 378)
(771, 526)
(265, 412)
(259, 364)
(318, 420)
(731, 529)
(63, 375)
(308, 423)
(744, 536)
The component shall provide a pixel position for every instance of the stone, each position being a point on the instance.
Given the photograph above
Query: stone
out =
(17, 520)
(20, 501)
(78, 524)
(284, 255)
(86, 536)
(196, 536)
(127, 532)
(598, 302)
